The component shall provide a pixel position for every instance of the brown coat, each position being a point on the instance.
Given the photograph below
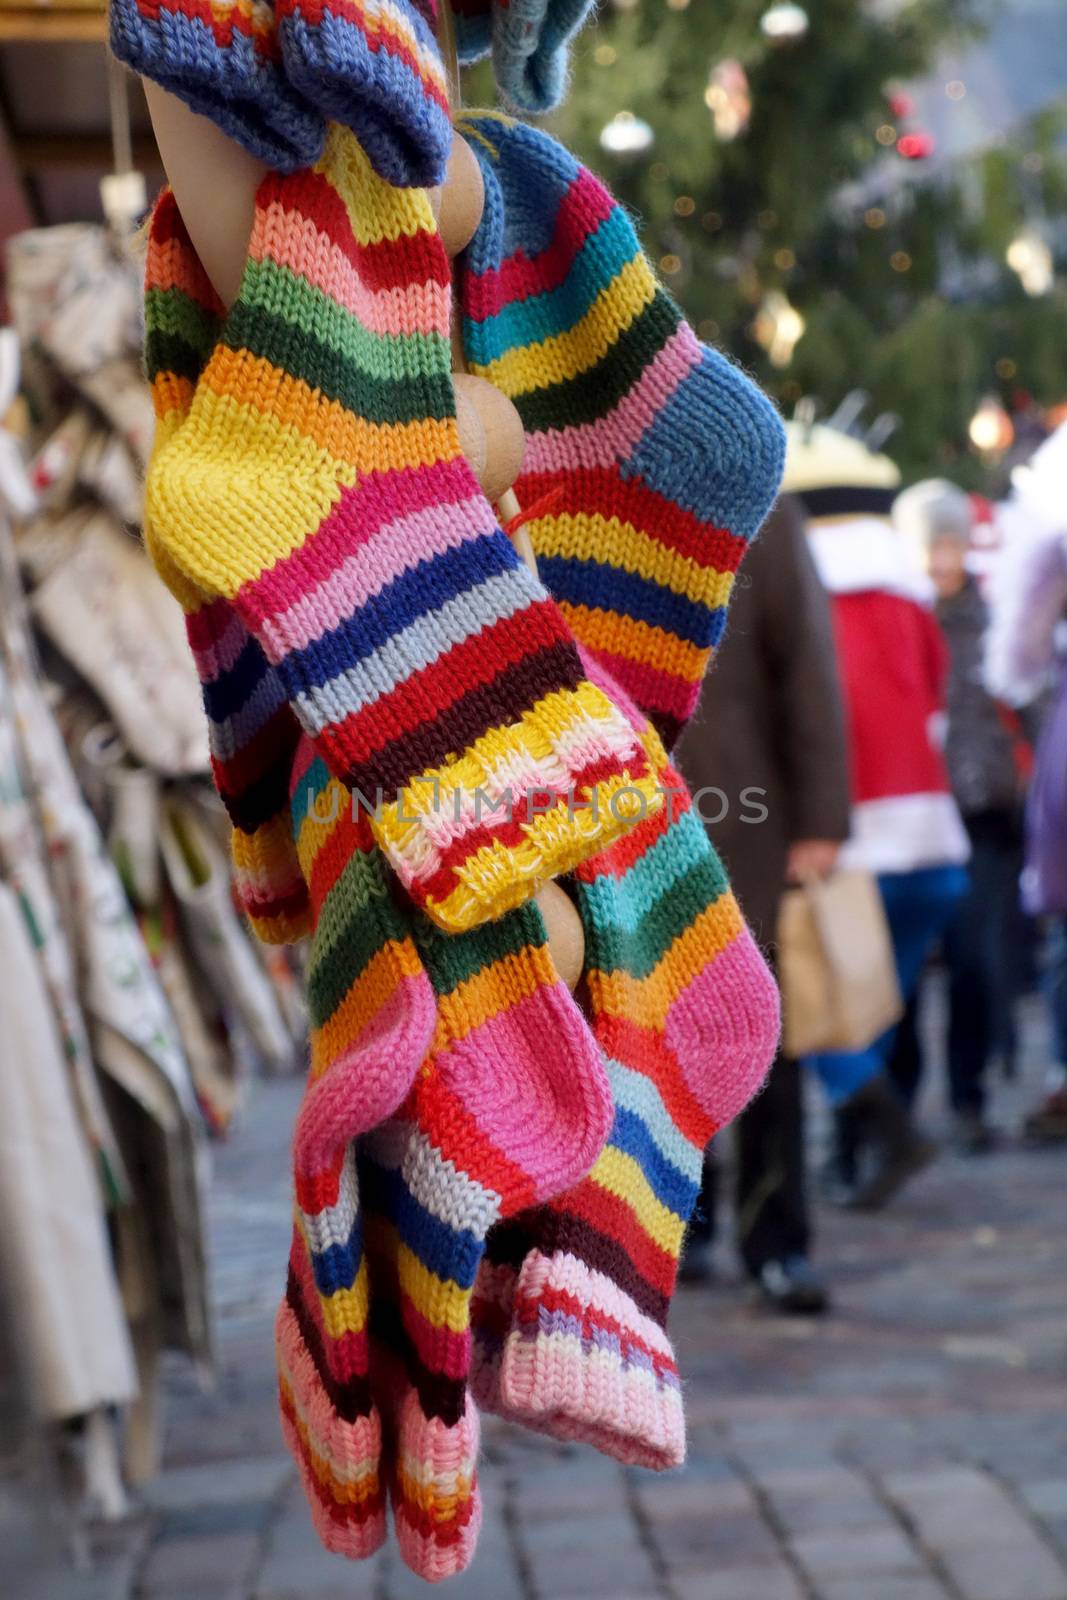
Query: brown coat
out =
(769, 733)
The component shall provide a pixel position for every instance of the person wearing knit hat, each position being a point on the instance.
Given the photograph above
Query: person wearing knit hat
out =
(988, 758)
(906, 828)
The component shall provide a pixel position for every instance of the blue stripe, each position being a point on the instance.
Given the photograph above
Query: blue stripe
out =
(452, 1254)
(607, 588)
(626, 902)
(337, 1267)
(251, 676)
(412, 597)
(670, 1186)
(524, 322)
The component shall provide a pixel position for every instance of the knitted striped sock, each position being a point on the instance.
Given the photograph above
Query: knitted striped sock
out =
(372, 1015)
(224, 61)
(570, 1313)
(252, 730)
(659, 459)
(305, 864)
(317, 485)
(511, 1106)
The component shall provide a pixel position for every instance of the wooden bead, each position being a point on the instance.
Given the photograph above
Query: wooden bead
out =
(566, 936)
(460, 202)
(490, 433)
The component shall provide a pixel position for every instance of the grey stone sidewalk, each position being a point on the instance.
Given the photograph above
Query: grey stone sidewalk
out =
(911, 1447)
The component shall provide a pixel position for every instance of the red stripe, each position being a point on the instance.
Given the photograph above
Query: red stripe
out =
(389, 264)
(447, 1123)
(590, 1321)
(359, 514)
(439, 1349)
(343, 1512)
(645, 1050)
(611, 1216)
(582, 209)
(593, 489)
(317, 1191)
(430, 691)
(510, 833)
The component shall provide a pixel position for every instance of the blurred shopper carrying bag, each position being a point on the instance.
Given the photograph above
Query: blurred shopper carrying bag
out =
(835, 965)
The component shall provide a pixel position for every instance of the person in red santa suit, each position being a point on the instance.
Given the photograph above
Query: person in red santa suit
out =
(905, 826)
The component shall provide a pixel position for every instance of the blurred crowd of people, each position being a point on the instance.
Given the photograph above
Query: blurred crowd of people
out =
(893, 689)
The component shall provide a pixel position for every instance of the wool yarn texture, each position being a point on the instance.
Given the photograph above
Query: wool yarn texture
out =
(444, 1101)
(272, 74)
(571, 1305)
(316, 485)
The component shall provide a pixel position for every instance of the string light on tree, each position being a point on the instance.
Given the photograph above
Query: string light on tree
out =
(779, 327)
(1030, 258)
(626, 135)
(729, 99)
(784, 23)
(991, 431)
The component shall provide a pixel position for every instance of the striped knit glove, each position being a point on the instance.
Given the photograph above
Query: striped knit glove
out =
(571, 1306)
(317, 486)
(658, 459)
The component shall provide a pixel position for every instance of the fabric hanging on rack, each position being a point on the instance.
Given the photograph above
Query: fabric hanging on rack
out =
(54, 1245)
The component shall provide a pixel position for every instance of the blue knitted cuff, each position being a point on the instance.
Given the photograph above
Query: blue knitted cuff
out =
(375, 67)
(227, 67)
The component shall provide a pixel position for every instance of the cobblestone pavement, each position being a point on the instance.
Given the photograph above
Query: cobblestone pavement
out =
(911, 1447)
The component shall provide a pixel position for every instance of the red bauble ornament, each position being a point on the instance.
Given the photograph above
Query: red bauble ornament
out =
(915, 146)
(901, 104)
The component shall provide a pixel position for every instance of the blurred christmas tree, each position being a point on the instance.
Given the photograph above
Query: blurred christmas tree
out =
(793, 201)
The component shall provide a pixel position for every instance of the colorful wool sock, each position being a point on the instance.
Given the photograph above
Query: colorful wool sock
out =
(571, 1309)
(375, 66)
(306, 866)
(225, 62)
(317, 485)
(372, 1014)
(271, 75)
(511, 1105)
(659, 458)
(252, 730)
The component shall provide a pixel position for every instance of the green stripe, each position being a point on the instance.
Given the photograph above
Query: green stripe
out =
(170, 352)
(173, 311)
(638, 952)
(592, 394)
(357, 919)
(455, 958)
(324, 364)
(282, 293)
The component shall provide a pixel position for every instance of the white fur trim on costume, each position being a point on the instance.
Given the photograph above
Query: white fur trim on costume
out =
(905, 832)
